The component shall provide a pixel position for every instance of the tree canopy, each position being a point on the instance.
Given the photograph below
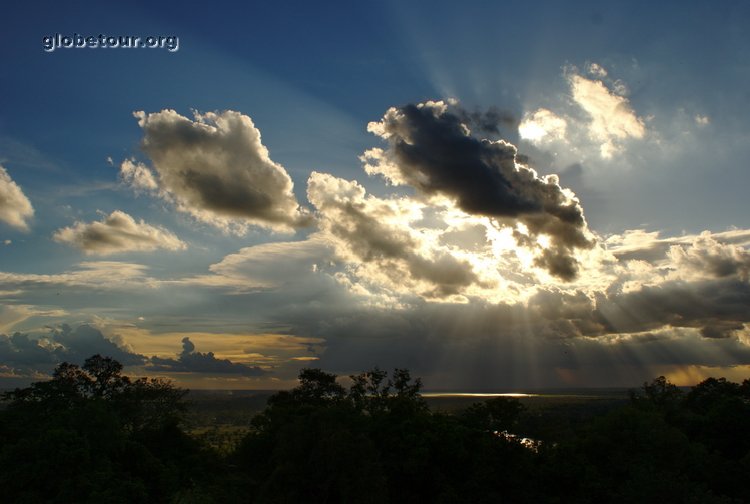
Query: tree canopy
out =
(92, 434)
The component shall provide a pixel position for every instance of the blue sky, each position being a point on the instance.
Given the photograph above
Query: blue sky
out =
(493, 195)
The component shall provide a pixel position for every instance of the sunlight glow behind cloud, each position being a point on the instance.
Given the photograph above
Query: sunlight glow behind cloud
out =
(456, 257)
(542, 126)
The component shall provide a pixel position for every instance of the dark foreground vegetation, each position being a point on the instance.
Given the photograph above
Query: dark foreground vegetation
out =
(91, 434)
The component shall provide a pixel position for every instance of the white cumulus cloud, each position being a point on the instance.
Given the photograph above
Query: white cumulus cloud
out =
(117, 232)
(216, 169)
(612, 119)
(15, 207)
(138, 176)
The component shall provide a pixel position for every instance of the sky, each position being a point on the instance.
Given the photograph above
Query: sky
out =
(493, 195)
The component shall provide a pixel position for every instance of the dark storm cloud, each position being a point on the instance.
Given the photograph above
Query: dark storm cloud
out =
(491, 120)
(21, 351)
(716, 308)
(29, 355)
(566, 314)
(190, 361)
(432, 150)
(483, 346)
(85, 341)
(558, 263)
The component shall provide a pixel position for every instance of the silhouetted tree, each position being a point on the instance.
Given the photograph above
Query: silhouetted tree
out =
(659, 393)
(375, 442)
(91, 434)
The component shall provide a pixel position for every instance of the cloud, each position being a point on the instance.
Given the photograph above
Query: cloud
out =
(32, 356)
(15, 207)
(268, 350)
(637, 244)
(597, 70)
(88, 274)
(84, 341)
(542, 126)
(138, 176)
(702, 120)
(190, 361)
(618, 338)
(115, 233)
(717, 307)
(11, 315)
(594, 119)
(376, 234)
(696, 282)
(216, 169)
(486, 272)
(706, 257)
(615, 325)
(23, 354)
(273, 265)
(432, 150)
(487, 121)
(612, 119)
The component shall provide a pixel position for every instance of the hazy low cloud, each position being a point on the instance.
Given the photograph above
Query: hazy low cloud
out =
(117, 232)
(431, 149)
(272, 265)
(216, 169)
(560, 338)
(87, 274)
(190, 361)
(12, 315)
(15, 207)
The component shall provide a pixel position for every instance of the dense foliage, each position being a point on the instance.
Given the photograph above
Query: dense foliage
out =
(93, 435)
(378, 442)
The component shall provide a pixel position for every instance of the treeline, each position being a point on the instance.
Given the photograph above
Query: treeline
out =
(91, 434)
